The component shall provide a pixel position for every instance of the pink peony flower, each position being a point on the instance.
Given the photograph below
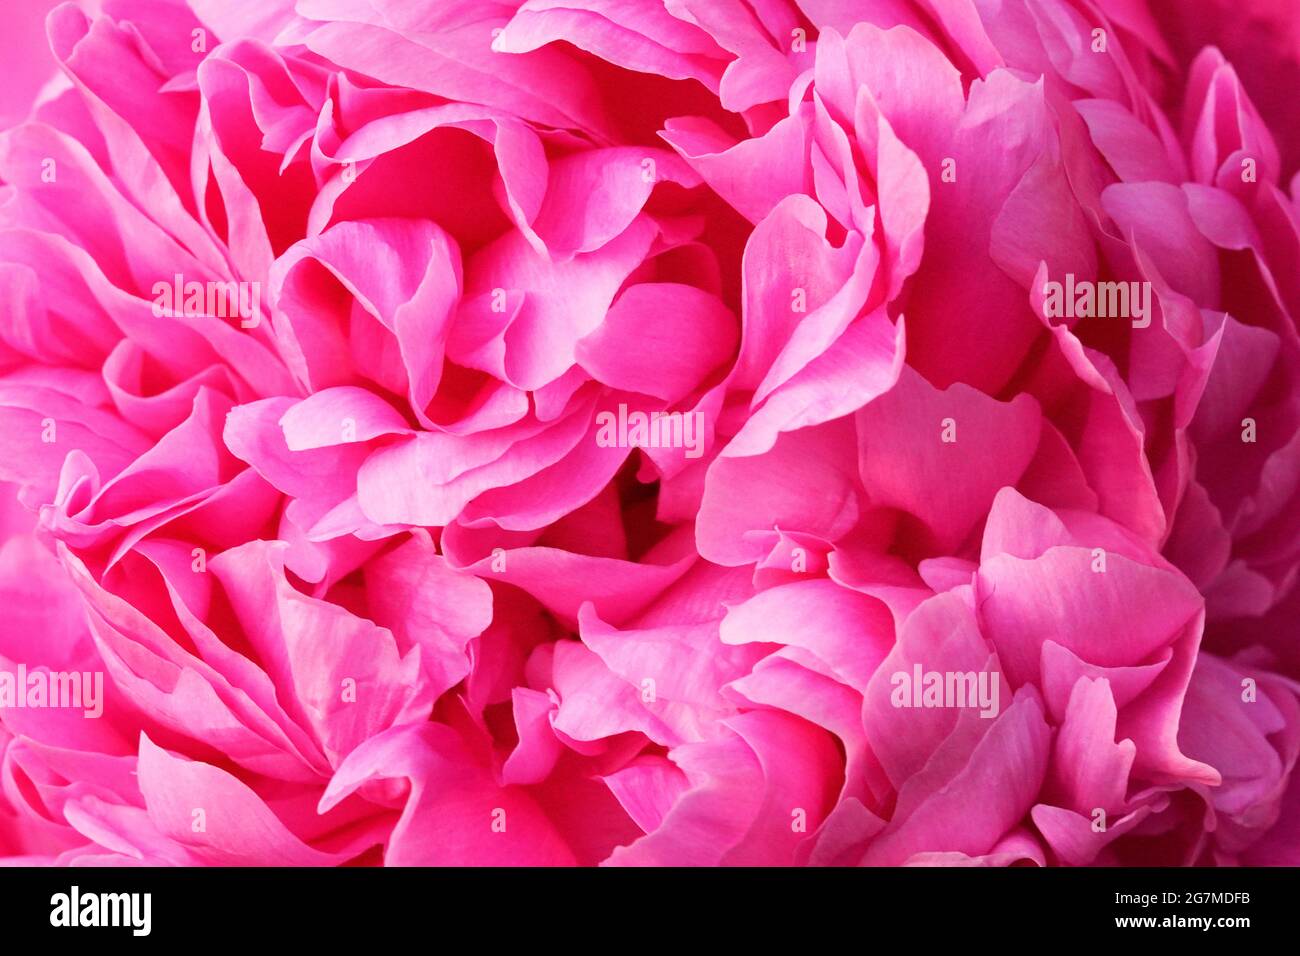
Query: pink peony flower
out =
(654, 433)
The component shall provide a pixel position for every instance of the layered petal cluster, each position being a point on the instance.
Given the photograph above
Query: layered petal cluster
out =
(650, 432)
